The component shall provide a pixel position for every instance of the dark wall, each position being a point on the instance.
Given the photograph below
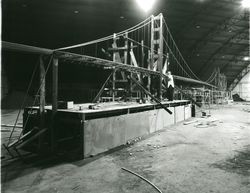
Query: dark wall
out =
(77, 82)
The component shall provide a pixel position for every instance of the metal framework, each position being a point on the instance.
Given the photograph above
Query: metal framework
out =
(244, 52)
(227, 25)
(239, 77)
(242, 34)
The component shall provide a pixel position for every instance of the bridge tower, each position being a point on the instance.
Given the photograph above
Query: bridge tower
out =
(156, 53)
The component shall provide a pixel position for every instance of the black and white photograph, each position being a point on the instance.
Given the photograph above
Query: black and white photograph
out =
(125, 96)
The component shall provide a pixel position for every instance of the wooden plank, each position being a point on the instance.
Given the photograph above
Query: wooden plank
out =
(134, 62)
(117, 49)
(165, 66)
(32, 138)
(19, 140)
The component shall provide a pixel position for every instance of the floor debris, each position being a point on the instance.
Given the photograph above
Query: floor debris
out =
(189, 122)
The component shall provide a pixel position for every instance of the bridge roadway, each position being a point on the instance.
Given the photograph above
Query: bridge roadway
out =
(84, 59)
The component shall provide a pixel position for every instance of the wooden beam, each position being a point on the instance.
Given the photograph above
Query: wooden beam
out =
(54, 85)
(42, 85)
(42, 98)
(117, 49)
(151, 63)
(82, 142)
(160, 56)
(134, 62)
(33, 137)
(149, 94)
(54, 102)
(142, 65)
(103, 87)
(126, 50)
(116, 58)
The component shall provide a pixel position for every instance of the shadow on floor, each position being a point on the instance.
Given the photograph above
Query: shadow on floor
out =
(16, 168)
(239, 164)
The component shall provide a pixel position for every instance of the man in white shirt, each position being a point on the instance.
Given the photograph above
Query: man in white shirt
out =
(170, 86)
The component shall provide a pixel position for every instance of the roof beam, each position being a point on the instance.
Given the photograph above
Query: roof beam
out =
(242, 53)
(239, 77)
(205, 66)
(226, 25)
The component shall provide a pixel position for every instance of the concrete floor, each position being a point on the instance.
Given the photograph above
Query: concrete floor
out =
(207, 155)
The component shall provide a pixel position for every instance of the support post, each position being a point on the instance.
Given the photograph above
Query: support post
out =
(142, 54)
(131, 63)
(181, 92)
(114, 75)
(149, 76)
(151, 63)
(212, 96)
(55, 85)
(42, 83)
(42, 98)
(142, 65)
(82, 142)
(203, 97)
(113, 87)
(160, 59)
(54, 101)
(126, 49)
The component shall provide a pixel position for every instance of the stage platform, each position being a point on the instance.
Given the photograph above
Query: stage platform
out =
(108, 125)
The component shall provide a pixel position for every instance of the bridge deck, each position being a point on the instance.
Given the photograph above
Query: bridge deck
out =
(84, 59)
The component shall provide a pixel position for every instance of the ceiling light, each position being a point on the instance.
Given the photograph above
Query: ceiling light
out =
(246, 58)
(245, 3)
(198, 26)
(76, 11)
(145, 5)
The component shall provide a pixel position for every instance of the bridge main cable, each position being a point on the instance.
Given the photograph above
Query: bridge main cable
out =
(138, 26)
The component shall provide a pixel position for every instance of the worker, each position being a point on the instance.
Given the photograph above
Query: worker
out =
(170, 86)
